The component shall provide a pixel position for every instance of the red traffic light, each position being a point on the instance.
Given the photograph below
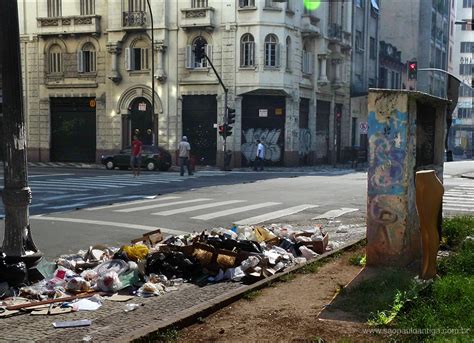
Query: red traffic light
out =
(412, 70)
(412, 66)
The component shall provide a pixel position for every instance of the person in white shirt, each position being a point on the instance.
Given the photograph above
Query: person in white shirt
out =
(184, 147)
(260, 156)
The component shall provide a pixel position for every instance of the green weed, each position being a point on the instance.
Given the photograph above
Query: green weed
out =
(460, 262)
(287, 277)
(252, 295)
(456, 229)
(358, 260)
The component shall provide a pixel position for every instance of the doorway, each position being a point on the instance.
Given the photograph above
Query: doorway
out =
(141, 121)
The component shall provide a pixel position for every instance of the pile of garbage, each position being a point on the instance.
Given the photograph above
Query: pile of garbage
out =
(153, 265)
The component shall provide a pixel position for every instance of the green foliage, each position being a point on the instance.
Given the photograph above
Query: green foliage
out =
(456, 229)
(170, 335)
(287, 277)
(311, 267)
(252, 295)
(460, 262)
(358, 260)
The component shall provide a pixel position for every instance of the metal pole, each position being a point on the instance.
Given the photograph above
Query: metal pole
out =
(155, 124)
(17, 243)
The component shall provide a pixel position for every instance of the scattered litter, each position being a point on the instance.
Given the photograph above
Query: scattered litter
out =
(120, 298)
(89, 304)
(131, 307)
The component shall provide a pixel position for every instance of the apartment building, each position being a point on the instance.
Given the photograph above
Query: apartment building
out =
(90, 71)
(462, 140)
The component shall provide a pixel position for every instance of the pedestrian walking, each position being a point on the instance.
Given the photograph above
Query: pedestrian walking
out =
(136, 157)
(260, 156)
(184, 148)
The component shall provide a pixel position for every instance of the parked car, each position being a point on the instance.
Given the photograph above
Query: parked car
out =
(152, 158)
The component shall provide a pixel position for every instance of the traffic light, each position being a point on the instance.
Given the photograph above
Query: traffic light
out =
(230, 115)
(412, 70)
(225, 130)
(200, 49)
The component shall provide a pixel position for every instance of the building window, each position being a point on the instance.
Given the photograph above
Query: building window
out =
(269, 3)
(464, 112)
(54, 8)
(272, 51)
(86, 59)
(373, 49)
(199, 3)
(289, 6)
(467, 26)
(288, 53)
(467, 3)
(467, 46)
(136, 6)
(191, 61)
(137, 56)
(87, 7)
(359, 43)
(307, 61)
(246, 3)
(466, 69)
(247, 51)
(55, 60)
(359, 3)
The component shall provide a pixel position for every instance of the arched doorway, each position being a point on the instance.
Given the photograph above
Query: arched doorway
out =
(140, 121)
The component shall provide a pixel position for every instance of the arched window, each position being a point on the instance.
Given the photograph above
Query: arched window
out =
(137, 56)
(247, 50)
(288, 53)
(272, 51)
(86, 59)
(194, 63)
(55, 63)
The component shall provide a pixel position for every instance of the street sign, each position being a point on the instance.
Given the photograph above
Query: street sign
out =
(364, 128)
(263, 113)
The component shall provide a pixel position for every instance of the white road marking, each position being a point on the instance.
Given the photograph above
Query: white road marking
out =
(61, 186)
(74, 184)
(107, 223)
(235, 210)
(44, 175)
(458, 209)
(197, 207)
(64, 196)
(134, 209)
(335, 213)
(276, 214)
(66, 206)
(65, 188)
(98, 196)
(130, 203)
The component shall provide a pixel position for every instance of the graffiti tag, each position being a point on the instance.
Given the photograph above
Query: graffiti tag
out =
(268, 137)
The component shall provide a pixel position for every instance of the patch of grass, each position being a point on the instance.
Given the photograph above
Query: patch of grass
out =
(287, 277)
(444, 311)
(460, 262)
(312, 267)
(252, 295)
(170, 335)
(358, 260)
(456, 229)
(374, 294)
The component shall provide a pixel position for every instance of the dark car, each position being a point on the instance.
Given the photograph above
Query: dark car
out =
(152, 158)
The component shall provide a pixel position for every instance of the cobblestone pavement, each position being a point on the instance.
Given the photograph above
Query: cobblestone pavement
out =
(112, 323)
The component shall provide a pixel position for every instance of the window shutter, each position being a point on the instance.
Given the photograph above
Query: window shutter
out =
(80, 61)
(242, 54)
(189, 56)
(93, 61)
(277, 55)
(128, 59)
(252, 54)
(209, 52)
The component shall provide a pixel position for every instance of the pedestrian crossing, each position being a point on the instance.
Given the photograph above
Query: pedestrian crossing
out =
(459, 199)
(207, 209)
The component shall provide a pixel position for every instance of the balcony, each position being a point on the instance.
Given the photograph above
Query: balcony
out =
(335, 32)
(201, 18)
(309, 26)
(89, 24)
(134, 20)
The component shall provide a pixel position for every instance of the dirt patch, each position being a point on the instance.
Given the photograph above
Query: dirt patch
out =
(286, 312)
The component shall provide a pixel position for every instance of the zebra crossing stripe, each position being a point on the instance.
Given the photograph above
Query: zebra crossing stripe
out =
(197, 207)
(274, 215)
(130, 203)
(74, 183)
(235, 210)
(141, 208)
(59, 197)
(456, 204)
(107, 223)
(458, 209)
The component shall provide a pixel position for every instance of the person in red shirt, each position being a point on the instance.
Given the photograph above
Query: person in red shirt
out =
(136, 157)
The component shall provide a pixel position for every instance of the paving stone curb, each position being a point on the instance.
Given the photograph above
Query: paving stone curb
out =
(204, 309)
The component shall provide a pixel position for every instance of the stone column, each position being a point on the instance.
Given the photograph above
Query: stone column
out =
(160, 73)
(115, 49)
(322, 75)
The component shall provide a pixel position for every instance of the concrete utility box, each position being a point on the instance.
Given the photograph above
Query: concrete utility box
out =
(406, 133)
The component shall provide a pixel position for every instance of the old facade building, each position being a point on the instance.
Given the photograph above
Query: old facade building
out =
(89, 66)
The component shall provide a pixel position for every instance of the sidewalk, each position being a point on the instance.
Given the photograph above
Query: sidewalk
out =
(174, 309)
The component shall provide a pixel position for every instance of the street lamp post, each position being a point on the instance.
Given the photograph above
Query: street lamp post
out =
(154, 123)
(17, 244)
